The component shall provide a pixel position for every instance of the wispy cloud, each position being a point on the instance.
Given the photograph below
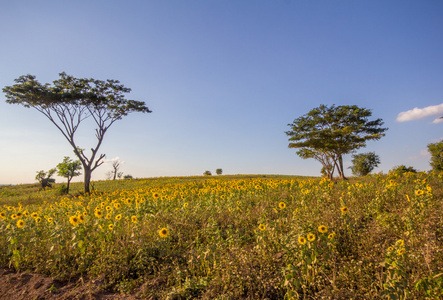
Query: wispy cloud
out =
(423, 154)
(420, 113)
(113, 160)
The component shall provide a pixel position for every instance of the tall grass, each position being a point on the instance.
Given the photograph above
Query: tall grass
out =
(233, 237)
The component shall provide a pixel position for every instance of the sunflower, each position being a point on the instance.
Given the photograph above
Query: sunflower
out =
(163, 233)
(134, 219)
(155, 195)
(50, 220)
(14, 216)
(20, 223)
(111, 226)
(262, 227)
(322, 229)
(344, 209)
(311, 237)
(302, 240)
(108, 216)
(118, 217)
(400, 251)
(185, 204)
(331, 235)
(74, 220)
(117, 205)
(37, 220)
(419, 192)
(81, 218)
(98, 213)
(400, 243)
(282, 205)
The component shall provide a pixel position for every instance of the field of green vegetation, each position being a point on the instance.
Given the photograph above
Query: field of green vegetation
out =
(235, 237)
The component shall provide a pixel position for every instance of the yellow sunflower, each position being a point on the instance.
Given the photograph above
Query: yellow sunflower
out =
(163, 233)
(134, 219)
(262, 227)
(74, 220)
(302, 240)
(344, 209)
(282, 205)
(20, 223)
(322, 229)
(419, 192)
(98, 213)
(311, 237)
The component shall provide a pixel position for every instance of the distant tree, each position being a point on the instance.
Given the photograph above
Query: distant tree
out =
(403, 169)
(207, 173)
(69, 169)
(436, 151)
(69, 101)
(127, 176)
(45, 178)
(364, 163)
(219, 171)
(114, 173)
(327, 133)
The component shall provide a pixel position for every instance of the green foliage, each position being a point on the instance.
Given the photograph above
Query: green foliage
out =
(401, 169)
(45, 178)
(364, 163)
(219, 171)
(436, 151)
(327, 133)
(207, 173)
(69, 169)
(127, 176)
(69, 101)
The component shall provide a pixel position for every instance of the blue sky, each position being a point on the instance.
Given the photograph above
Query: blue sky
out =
(223, 79)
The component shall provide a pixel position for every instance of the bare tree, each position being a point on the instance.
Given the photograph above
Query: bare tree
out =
(114, 173)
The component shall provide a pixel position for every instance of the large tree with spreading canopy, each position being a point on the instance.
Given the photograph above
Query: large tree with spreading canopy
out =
(327, 133)
(69, 101)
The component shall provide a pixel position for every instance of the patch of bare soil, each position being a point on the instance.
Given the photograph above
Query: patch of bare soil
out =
(26, 286)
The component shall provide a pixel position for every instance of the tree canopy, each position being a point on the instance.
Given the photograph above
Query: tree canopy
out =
(327, 133)
(69, 101)
(69, 169)
(364, 163)
(436, 151)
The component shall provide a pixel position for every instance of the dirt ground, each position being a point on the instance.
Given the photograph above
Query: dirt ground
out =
(27, 286)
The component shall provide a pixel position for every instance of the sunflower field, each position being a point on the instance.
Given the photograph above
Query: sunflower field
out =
(235, 237)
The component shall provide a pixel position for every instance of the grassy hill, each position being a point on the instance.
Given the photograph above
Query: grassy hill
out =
(235, 237)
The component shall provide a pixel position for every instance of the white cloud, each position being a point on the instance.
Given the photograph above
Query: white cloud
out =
(420, 113)
(438, 120)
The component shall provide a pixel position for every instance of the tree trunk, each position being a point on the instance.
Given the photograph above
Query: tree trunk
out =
(67, 187)
(87, 179)
(340, 165)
